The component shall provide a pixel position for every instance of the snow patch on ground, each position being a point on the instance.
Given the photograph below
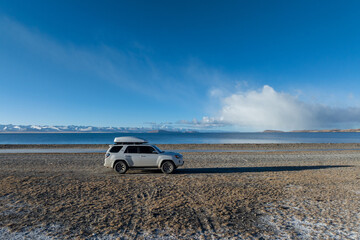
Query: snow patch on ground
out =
(289, 226)
(50, 233)
(40, 233)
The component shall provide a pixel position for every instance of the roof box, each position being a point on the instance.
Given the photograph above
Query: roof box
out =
(129, 140)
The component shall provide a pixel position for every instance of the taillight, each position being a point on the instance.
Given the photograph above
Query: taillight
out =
(107, 155)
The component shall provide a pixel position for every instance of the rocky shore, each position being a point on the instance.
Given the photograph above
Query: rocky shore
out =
(301, 195)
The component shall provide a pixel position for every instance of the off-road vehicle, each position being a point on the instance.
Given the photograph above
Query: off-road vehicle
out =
(132, 152)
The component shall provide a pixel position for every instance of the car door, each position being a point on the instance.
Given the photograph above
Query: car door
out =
(132, 156)
(148, 156)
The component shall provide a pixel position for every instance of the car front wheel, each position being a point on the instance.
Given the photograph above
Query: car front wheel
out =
(120, 167)
(168, 167)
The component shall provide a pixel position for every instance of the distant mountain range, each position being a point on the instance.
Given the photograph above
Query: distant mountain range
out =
(323, 130)
(10, 128)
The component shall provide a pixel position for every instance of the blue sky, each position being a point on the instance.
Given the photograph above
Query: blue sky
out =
(238, 65)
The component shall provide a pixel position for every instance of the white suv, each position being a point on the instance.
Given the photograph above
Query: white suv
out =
(132, 152)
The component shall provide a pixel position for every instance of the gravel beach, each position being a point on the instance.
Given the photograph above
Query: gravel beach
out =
(222, 195)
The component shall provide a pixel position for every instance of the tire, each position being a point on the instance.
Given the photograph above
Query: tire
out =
(168, 167)
(121, 167)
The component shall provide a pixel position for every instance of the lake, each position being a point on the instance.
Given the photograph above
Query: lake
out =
(177, 138)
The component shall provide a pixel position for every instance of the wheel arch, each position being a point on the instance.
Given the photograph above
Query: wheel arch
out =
(164, 160)
(118, 160)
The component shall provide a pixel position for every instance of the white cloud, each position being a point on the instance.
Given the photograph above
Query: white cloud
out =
(205, 122)
(269, 109)
(265, 109)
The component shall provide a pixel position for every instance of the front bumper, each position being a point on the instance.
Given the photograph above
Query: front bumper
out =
(180, 162)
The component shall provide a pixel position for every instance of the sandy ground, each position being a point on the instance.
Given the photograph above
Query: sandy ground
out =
(298, 195)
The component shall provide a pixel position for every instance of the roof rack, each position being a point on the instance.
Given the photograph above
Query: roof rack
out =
(129, 140)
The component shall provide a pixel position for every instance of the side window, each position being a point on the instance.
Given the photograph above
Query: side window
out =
(131, 149)
(115, 149)
(146, 149)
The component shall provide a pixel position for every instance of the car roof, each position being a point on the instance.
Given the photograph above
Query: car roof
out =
(129, 140)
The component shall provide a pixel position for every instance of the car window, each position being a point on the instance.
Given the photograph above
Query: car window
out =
(115, 149)
(158, 149)
(131, 149)
(146, 149)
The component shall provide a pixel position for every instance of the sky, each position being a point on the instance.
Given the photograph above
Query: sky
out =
(209, 65)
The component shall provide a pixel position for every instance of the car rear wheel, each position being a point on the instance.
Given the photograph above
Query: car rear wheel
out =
(168, 167)
(121, 167)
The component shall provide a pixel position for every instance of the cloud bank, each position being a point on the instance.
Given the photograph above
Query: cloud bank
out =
(268, 109)
(205, 122)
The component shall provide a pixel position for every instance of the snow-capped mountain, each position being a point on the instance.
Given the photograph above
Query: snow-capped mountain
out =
(9, 128)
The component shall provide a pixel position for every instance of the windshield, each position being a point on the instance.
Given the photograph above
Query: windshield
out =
(157, 149)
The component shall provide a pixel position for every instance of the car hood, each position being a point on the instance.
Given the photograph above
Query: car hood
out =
(170, 153)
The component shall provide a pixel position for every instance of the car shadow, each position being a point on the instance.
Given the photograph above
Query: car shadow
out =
(243, 169)
(254, 169)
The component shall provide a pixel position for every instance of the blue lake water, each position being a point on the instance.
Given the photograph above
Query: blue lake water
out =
(173, 138)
